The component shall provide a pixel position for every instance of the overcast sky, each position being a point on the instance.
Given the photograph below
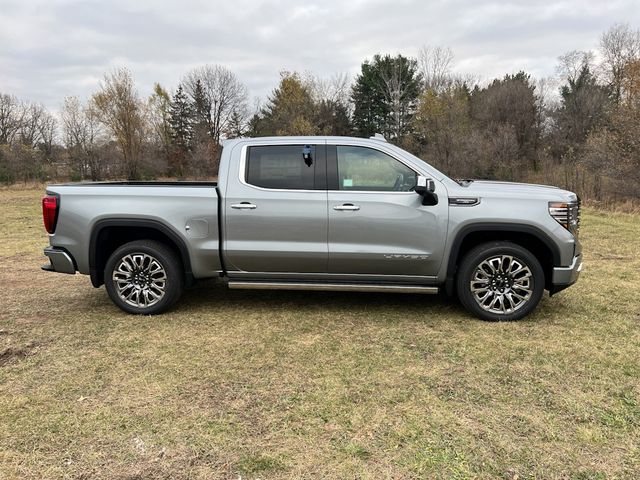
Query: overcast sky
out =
(53, 48)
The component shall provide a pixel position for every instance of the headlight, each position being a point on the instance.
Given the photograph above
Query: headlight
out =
(566, 214)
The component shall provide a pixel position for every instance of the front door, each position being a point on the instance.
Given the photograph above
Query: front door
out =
(377, 223)
(276, 214)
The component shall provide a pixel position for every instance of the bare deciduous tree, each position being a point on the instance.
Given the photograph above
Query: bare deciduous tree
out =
(331, 106)
(81, 136)
(333, 89)
(160, 113)
(28, 131)
(436, 63)
(570, 64)
(400, 89)
(120, 109)
(619, 46)
(48, 127)
(10, 118)
(74, 123)
(340, 88)
(160, 120)
(225, 93)
(30, 127)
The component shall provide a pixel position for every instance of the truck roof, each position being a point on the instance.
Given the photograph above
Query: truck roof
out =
(303, 138)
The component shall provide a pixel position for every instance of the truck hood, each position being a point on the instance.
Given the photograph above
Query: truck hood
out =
(517, 190)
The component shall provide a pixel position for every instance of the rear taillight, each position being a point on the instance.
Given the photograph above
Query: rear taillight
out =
(50, 212)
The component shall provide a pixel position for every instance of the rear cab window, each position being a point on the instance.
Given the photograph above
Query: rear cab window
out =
(282, 167)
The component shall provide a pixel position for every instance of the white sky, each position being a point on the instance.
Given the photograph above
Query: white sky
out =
(53, 48)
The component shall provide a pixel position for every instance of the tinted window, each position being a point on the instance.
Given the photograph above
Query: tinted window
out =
(283, 167)
(361, 168)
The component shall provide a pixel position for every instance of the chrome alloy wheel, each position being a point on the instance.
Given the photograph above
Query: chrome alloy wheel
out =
(140, 280)
(502, 284)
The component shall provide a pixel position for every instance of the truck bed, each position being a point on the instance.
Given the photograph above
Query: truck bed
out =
(187, 212)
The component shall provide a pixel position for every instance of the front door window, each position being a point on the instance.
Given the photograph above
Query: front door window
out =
(366, 169)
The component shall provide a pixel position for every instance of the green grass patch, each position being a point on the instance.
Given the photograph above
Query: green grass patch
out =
(287, 385)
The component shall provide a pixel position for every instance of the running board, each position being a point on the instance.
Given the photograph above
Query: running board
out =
(336, 287)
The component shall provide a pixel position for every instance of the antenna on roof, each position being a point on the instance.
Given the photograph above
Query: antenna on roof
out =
(378, 136)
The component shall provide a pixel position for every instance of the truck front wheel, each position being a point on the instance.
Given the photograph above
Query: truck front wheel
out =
(500, 281)
(143, 277)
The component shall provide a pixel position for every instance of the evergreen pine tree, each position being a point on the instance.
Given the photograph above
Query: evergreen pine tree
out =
(181, 120)
(181, 123)
(385, 96)
(201, 108)
(237, 125)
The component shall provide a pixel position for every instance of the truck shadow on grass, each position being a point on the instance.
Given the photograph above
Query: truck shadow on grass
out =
(214, 297)
(216, 292)
(211, 295)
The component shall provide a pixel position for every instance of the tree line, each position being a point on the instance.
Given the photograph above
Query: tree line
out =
(579, 130)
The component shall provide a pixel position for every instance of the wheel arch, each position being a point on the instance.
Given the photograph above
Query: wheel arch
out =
(527, 236)
(109, 234)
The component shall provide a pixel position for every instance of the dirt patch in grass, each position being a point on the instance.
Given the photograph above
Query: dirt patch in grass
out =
(17, 353)
(10, 353)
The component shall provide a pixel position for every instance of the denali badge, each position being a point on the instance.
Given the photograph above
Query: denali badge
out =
(463, 201)
(405, 256)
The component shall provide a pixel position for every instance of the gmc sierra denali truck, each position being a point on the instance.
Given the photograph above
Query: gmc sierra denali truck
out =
(319, 213)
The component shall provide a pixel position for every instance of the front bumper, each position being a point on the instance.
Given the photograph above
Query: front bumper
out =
(61, 261)
(564, 277)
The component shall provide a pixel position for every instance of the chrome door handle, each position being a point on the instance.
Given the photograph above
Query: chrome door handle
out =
(347, 206)
(244, 206)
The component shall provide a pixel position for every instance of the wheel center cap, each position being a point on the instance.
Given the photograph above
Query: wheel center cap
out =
(500, 282)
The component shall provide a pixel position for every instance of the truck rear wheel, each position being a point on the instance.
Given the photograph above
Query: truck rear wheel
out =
(500, 281)
(143, 277)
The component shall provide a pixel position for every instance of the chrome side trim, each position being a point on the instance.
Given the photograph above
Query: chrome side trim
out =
(337, 287)
(242, 167)
(330, 277)
(371, 192)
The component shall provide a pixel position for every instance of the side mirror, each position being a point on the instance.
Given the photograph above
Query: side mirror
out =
(425, 187)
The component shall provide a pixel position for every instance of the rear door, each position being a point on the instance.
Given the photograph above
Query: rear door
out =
(276, 210)
(377, 223)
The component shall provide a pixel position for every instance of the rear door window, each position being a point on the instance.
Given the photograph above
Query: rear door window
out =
(290, 167)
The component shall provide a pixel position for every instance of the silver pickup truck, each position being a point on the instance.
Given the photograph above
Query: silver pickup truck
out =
(319, 213)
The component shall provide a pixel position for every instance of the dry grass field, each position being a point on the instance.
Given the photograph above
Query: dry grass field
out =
(276, 385)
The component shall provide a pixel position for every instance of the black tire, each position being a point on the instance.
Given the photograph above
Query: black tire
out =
(146, 280)
(526, 284)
